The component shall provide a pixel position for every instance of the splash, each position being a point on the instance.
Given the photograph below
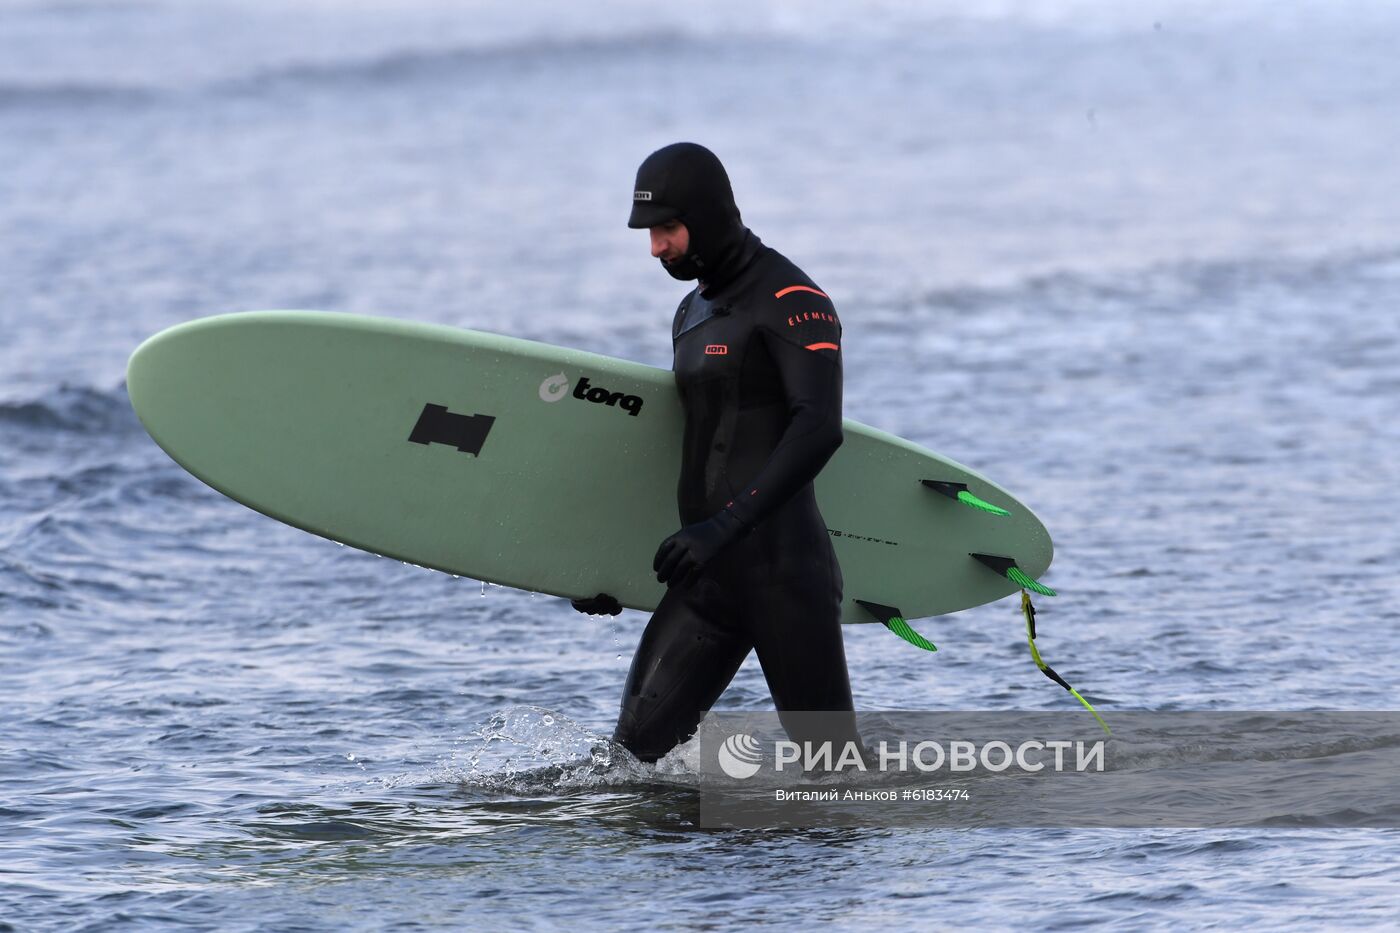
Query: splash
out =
(531, 749)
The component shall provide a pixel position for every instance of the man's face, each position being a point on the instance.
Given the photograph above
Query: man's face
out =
(669, 241)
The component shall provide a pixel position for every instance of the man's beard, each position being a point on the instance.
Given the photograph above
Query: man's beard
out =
(686, 267)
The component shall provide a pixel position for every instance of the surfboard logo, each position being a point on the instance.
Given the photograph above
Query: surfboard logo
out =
(437, 425)
(632, 404)
(554, 387)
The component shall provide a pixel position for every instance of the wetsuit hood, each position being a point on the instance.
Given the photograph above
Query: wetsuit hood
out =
(687, 182)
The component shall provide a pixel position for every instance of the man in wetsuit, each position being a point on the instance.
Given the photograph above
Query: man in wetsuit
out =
(758, 364)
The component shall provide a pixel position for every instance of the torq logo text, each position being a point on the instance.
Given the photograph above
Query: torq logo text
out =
(553, 388)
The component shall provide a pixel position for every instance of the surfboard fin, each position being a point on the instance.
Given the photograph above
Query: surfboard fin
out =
(959, 492)
(893, 620)
(1006, 567)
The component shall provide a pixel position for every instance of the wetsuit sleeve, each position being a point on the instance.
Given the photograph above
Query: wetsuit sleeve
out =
(803, 337)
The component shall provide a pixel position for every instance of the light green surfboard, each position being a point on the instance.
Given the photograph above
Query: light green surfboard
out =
(529, 465)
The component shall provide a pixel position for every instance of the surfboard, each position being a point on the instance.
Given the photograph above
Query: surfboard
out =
(533, 466)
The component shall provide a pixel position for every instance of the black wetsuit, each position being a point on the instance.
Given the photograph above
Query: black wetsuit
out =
(758, 366)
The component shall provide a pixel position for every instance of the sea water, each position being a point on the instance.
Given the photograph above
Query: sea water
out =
(1137, 262)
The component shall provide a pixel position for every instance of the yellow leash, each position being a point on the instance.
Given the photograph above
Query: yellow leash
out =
(1028, 611)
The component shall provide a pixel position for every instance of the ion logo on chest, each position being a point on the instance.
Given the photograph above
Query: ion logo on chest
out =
(716, 349)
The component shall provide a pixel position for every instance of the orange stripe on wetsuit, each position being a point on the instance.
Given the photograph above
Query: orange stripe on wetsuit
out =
(800, 288)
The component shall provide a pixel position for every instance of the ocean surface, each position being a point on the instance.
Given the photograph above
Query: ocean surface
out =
(1139, 263)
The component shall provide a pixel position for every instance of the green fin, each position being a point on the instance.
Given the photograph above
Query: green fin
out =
(893, 619)
(968, 498)
(1018, 576)
(1007, 568)
(959, 492)
(902, 629)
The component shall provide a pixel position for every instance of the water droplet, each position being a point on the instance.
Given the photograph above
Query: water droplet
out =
(548, 720)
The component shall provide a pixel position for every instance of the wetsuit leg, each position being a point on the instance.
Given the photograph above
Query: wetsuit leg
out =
(688, 654)
(794, 617)
(799, 645)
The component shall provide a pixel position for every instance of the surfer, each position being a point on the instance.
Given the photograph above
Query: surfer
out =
(757, 360)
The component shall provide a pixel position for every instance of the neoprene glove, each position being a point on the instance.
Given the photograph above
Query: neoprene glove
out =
(600, 605)
(682, 556)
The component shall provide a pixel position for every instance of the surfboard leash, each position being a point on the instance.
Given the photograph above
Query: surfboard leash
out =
(1028, 610)
(893, 619)
(1006, 567)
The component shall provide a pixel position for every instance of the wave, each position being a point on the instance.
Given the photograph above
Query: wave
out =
(394, 67)
(1183, 281)
(409, 65)
(74, 95)
(73, 408)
